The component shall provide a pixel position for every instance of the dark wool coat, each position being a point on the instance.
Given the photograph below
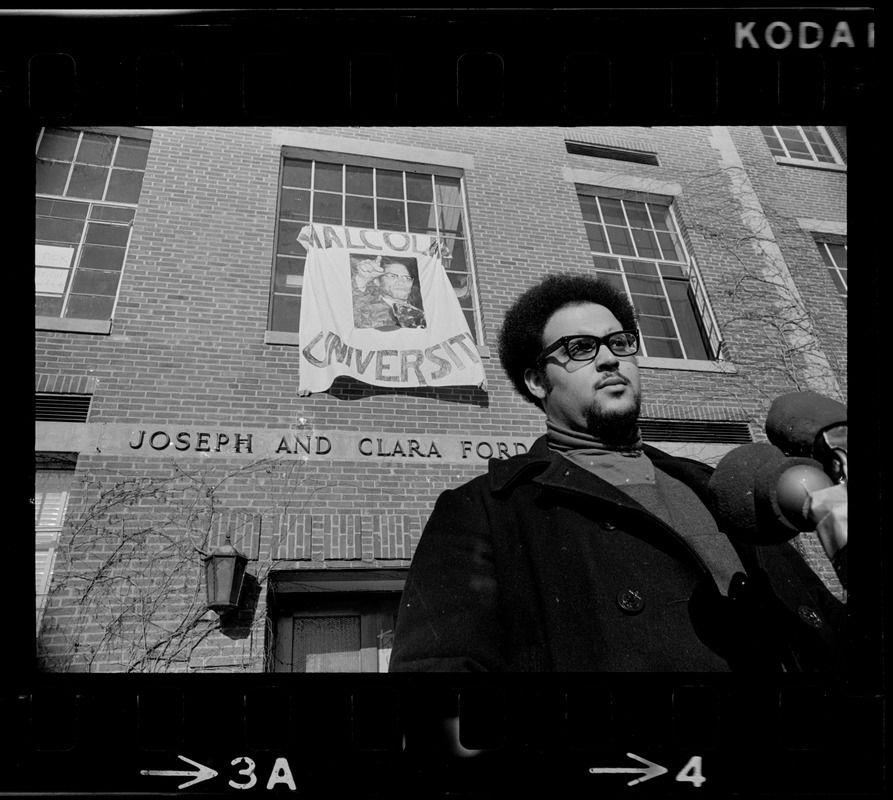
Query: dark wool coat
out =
(542, 566)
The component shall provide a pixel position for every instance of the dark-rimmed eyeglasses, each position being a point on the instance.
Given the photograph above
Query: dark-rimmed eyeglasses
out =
(583, 347)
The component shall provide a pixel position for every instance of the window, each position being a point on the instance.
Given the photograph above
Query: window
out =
(364, 194)
(335, 632)
(834, 256)
(88, 187)
(53, 478)
(636, 246)
(800, 142)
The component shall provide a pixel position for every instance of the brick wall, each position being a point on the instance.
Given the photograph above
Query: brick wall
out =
(187, 349)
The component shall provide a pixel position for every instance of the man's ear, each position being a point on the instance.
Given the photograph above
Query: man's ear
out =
(536, 383)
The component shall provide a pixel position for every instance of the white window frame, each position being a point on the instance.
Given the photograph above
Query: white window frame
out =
(46, 536)
(63, 322)
(274, 336)
(800, 158)
(706, 319)
(823, 246)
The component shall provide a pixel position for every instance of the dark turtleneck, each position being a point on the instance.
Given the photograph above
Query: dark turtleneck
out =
(624, 465)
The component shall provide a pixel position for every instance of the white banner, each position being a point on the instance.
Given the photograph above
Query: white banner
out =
(378, 306)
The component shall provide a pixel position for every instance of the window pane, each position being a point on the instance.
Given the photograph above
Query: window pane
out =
(418, 187)
(289, 274)
(389, 183)
(50, 229)
(328, 177)
(448, 191)
(94, 281)
(286, 312)
(663, 348)
(108, 258)
(589, 207)
(642, 285)
(472, 327)
(288, 238)
(646, 244)
(660, 216)
(687, 319)
(456, 260)
(669, 246)
(421, 218)
(640, 267)
(391, 216)
(451, 221)
(638, 217)
(115, 235)
(823, 154)
(125, 186)
(132, 154)
(51, 177)
(596, 236)
(296, 173)
(613, 211)
(613, 279)
(461, 287)
(87, 182)
(838, 251)
(89, 307)
(672, 271)
(112, 213)
(61, 208)
(796, 147)
(58, 144)
(652, 306)
(359, 212)
(603, 262)
(359, 180)
(327, 208)
(295, 204)
(621, 244)
(656, 326)
(97, 149)
(48, 306)
(326, 644)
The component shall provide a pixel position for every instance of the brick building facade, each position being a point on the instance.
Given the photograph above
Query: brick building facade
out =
(166, 369)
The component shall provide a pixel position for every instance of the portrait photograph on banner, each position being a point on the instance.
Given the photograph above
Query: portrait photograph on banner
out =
(379, 307)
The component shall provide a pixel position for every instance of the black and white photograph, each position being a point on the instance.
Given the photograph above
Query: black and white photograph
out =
(560, 501)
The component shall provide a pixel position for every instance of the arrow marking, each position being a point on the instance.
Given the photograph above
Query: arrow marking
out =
(651, 770)
(204, 773)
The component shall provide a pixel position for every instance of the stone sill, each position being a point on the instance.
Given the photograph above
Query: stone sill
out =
(799, 162)
(99, 326)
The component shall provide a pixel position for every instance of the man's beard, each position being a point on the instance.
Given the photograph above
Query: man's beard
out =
(615, 426)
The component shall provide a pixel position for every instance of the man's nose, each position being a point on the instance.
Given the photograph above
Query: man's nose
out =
(604, 358)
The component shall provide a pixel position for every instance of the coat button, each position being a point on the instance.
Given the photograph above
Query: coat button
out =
(630, 601)
(810, 617)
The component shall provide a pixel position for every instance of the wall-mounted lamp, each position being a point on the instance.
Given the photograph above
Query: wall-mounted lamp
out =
(224, 571)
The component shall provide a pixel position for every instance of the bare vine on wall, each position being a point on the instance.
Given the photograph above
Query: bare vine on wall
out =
(128, 593)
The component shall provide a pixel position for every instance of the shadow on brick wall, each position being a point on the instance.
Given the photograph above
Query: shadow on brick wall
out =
(346, 388)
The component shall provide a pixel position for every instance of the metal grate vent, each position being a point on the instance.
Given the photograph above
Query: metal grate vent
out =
(614, 153)
(62, 407)
(689, 430)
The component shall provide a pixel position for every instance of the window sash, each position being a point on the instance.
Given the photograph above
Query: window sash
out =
(834, 256)
(52, 491)
(801, 142)
(668, 293)
(395, 197)
(64, 291)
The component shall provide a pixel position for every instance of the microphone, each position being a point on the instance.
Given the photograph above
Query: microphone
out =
(810, 424)
(761, 496)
